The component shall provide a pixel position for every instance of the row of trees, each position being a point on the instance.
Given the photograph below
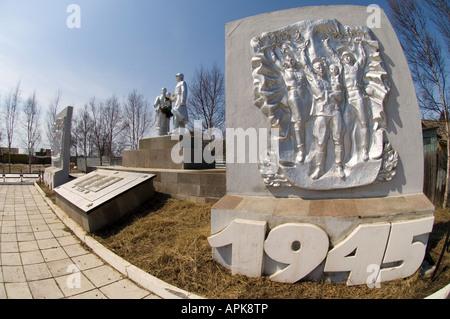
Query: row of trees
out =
(102, 128)
(27, 113)
(109, 126)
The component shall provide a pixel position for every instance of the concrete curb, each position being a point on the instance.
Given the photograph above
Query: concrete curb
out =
(149, 282)
(444, 293)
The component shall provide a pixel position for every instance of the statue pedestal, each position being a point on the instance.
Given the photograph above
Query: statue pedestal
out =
(167, 152)
(55, 176)
(186, 179)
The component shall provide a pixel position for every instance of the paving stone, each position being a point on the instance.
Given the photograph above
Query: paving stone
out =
(32, 257)
(74, 284)
(91, 294)
(123, 289)
(11, 259)
(103, 275)
(54, 254)
(28, 246)
(25, 222)
(23, 229)
(45, 289)
(2, 291)
(75, 250)
(13, 274)
(60, 233)
(25, 236)
(67, 240)
(9, 247)
(60, 267)
(48, 243)
(36, 272)
(43, 234)
(87, 261)
(8, 229)
(18, 291)
(37, 228)
(9, 237)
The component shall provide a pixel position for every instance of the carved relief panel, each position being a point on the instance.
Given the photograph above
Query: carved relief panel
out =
(323, 87)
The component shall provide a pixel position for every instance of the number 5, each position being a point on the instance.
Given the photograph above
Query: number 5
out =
(406, 248)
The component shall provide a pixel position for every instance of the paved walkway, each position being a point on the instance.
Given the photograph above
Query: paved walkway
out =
(40, 258)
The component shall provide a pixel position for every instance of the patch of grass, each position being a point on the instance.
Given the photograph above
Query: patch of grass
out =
(48, 192)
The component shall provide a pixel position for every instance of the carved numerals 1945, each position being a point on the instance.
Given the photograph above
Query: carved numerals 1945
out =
(396, 249)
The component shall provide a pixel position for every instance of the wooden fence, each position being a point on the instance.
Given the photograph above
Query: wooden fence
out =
(435, 168)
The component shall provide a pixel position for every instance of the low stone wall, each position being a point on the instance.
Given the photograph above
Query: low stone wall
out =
(203, 186)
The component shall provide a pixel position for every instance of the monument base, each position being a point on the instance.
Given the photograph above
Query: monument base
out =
(292, 239)
(55, 176)
(159, 152)
(200, 186)
(102, 197)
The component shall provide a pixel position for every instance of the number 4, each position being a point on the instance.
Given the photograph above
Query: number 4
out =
(363, 247)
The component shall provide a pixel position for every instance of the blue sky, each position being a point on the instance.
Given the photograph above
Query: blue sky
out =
(122, 44)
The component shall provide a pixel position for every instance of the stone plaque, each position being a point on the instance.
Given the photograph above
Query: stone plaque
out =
(96, 183)
(102, 196)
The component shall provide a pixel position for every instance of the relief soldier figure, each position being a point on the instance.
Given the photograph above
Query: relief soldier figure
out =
(298, 97)
(327, 116)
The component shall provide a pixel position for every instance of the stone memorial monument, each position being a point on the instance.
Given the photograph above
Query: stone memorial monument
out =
(163, 113)
(338, 192)
(58, 173)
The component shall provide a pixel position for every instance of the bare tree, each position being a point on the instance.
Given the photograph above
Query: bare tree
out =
(114, 127)
(138, 118)
(31, 111)
(83, 126)
(440, 15)
(52, 112)
(10, 109)
(207, 97)
(426, 57)
(99, 128)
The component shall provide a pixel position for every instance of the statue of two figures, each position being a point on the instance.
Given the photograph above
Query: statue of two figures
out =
(166, 110)
(322, 85)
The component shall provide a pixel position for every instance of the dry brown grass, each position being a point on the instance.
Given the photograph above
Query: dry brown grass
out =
(168, 239)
